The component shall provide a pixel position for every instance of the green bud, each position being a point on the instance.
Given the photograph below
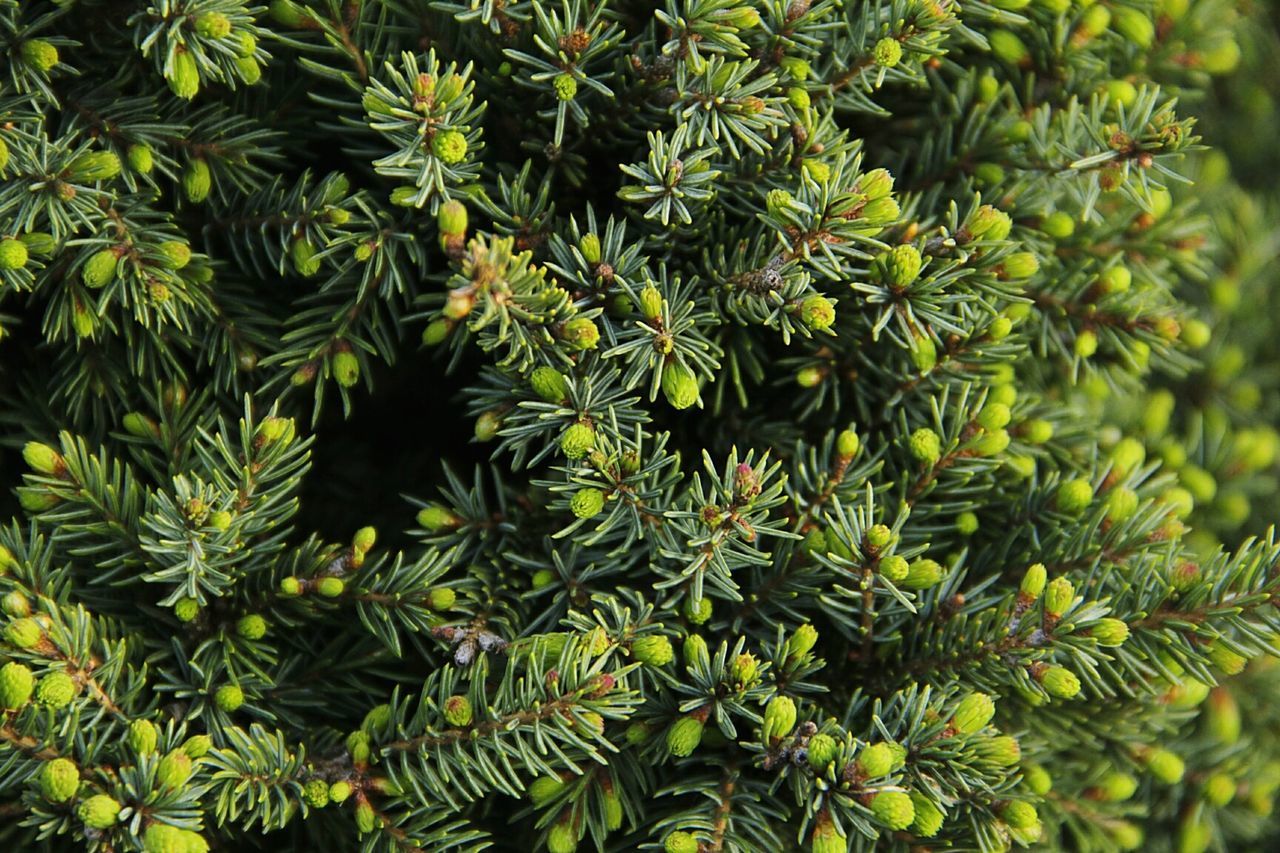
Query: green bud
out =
(1059, 597)
(1000, 328)
(251, 627)
(1019, 814)
(449, 146)
(822, 750)
(684, 736)
(988, 223)
(581, 333)
(744, 669)
(174, 769)
(924, 353)
(186, 609)
(929, 817)
(1061, 683)
(15, 603)
(698, 611)
(364, 539)
(302, 252)
(1165, 766)
(679, 384)
(339, 791)
(39, 242)
(55, 690)
(451, 218)
(562, 837)
(197, 181)
(1110, 632)
(100, 269)
(544, 789)
(1199, 482)
(197, 746)
(1134, 25)
(13, 254)
(923, 574)
(441, 598)
(438, 519)
(1225, 659)
(817, 312)
(142, 737)
(847, 444)
(993, 416)
(925, 446)
(23, 633)
(39, 54)
(458, 711)
(893, 809)
(881, 211)
(1003, 750)
(435, 332)
(1020, 265)
(876, 184)
(875, 760)
(565, 86)
(228, 697)
(826, 839)
(587, 503)
(801, 641)
(1037, 431)
(248, 69)
(973, 713)
(214, 25)
(887, 53)
(1007, 47)
(357, 744)
(316, 793)
(1038, 780)
(1086, 343)
(183, 74)
(894, 568)
(59, 780)
(1115, 279)
(653, 649)
(1121, 503)
(680, 842)
(330, 586)
(1219, 790)
(966, 524)
(879, 535)
(577, 440)
(1116, 787)
(366, 819)
(1058, 225)
(1033, 582)
(175, 254)
(779, 718)
(99, 811)
(1074, 496)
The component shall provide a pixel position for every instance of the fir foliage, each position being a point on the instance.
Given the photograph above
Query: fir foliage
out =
(706, 425)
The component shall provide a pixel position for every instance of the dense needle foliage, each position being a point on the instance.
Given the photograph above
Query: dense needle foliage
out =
(698, 425)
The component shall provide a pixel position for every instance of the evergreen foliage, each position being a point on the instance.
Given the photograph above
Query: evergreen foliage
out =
(706, 425)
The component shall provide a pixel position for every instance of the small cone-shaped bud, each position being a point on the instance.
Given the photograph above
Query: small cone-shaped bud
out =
(779, 718)
(653, 649)
(684, 736)
(99, 811)
(893, 809)
(973, 713)
(679, 385)
(184, 75)
(59, 780)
